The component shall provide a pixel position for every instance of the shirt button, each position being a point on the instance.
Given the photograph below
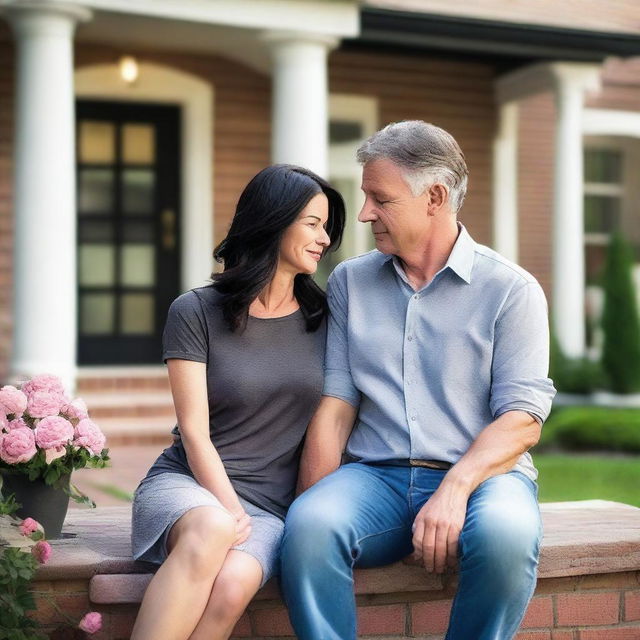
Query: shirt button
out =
(416, 297)
(413, 418)
(410, 338)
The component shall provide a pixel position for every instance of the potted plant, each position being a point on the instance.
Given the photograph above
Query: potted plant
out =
(44, 436)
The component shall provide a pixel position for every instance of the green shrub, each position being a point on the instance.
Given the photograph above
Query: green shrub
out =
(621, 350)
(592, 428)
(574, 375)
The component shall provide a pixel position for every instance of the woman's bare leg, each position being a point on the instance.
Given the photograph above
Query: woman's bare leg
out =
(175, 599)
(235, 586)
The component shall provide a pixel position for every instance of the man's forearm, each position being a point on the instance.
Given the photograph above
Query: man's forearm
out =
(325, 441)
(496, 450)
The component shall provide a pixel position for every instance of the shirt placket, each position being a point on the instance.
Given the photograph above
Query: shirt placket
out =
(410, 367)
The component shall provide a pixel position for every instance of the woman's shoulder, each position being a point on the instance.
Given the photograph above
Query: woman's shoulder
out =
(198, 297)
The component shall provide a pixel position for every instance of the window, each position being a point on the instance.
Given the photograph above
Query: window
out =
(352, 119)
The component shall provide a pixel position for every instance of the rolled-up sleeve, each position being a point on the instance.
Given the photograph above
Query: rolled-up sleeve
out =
(338, 381)
(521, 355)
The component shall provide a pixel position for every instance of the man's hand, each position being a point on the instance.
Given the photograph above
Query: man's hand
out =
(437, 528)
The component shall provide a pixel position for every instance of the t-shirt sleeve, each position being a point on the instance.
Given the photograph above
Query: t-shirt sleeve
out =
(185, 333)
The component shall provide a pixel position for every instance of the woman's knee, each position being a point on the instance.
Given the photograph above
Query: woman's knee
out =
(201, 535)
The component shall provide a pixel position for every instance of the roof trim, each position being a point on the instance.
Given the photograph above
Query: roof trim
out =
(491, 38)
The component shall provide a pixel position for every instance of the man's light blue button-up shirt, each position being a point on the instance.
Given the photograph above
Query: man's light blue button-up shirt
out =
(429, 369)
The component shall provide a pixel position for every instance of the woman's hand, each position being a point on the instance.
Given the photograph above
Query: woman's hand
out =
(243, 526)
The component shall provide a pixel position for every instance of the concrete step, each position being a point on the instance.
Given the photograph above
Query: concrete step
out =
(137, 430)
(125, 404)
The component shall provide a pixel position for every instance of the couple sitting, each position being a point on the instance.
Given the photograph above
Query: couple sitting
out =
(434, 386)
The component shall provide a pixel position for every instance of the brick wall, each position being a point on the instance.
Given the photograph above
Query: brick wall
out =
(590, 607)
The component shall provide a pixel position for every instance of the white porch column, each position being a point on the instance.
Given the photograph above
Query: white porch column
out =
(44, 188)
(505, 182)
(299, 120)
(571, 82)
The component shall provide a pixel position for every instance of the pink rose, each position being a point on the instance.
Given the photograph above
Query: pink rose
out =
(44, 403)
(4, 423)
(43, 382)
(41, 551)
(29, 526)
(13, 400)
(89, 436)
(19, 445)
(91, 622)
(76, 409)
(53, 432)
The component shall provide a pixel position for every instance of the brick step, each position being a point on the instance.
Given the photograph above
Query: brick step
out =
(109, 379)
(126, 404)
(137, 430)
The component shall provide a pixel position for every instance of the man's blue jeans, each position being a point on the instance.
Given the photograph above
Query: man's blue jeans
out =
(361, 516)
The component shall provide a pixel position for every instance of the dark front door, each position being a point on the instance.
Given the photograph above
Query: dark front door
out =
(128, 229)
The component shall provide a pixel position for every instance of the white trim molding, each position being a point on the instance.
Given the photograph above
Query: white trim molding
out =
(611, 122)
(158, 83)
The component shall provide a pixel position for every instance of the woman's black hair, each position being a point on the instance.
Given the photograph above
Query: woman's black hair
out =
(268, 205)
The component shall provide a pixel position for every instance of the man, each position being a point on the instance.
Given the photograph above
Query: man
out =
(436, 382)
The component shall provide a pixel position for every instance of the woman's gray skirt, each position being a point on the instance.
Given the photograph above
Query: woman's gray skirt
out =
(159, 501)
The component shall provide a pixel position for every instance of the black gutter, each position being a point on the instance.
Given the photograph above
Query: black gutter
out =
(488, 38)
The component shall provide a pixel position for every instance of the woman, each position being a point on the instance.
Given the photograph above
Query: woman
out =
(245, 365)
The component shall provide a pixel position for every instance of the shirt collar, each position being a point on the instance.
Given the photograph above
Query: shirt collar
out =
(460, 259)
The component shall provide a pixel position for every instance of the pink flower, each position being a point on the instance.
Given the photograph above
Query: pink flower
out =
(76, 409)
(17, 423)
(91, 622)
(44, 403)
(29, 526)
(89, 436)
(13, 400)
(19, 445)
(53, 432)
(4, 423)
(43, 382)
(41, 550)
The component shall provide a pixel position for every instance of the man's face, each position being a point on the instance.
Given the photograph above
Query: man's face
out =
(399, 220)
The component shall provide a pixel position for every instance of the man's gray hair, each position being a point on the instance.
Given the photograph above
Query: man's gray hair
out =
(426, 155)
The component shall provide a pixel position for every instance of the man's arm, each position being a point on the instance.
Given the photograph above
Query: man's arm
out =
(520, 390)
(325, 441)
(496, 450)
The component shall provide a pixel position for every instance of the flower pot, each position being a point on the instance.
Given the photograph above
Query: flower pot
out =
(44, 503)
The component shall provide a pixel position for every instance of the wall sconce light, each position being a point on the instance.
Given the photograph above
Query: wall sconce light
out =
(128, 69)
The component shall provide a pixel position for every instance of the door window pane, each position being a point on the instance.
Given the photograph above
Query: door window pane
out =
(137, 313)
(138, 232)
(96, 231)
(97, 313)
(97, 265)
(137, 191)
(138, 265)
(345, 131)
(96, 142)
(96, 191)
(138, 144)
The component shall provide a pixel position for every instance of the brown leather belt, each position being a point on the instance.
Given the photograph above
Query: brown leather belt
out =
(431, 464)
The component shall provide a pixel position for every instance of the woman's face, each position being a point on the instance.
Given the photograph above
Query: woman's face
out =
(305, 240)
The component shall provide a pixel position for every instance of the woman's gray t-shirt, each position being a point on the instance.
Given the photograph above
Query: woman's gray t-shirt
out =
(263, 386)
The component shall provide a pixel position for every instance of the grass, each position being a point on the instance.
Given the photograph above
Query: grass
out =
(587, 477)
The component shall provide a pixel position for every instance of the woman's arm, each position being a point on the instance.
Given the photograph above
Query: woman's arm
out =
(188, 381)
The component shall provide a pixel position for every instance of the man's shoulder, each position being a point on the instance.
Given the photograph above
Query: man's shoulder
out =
(360, 266)
(489, 264)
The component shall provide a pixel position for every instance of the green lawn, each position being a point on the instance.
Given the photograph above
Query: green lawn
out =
(585, 477)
